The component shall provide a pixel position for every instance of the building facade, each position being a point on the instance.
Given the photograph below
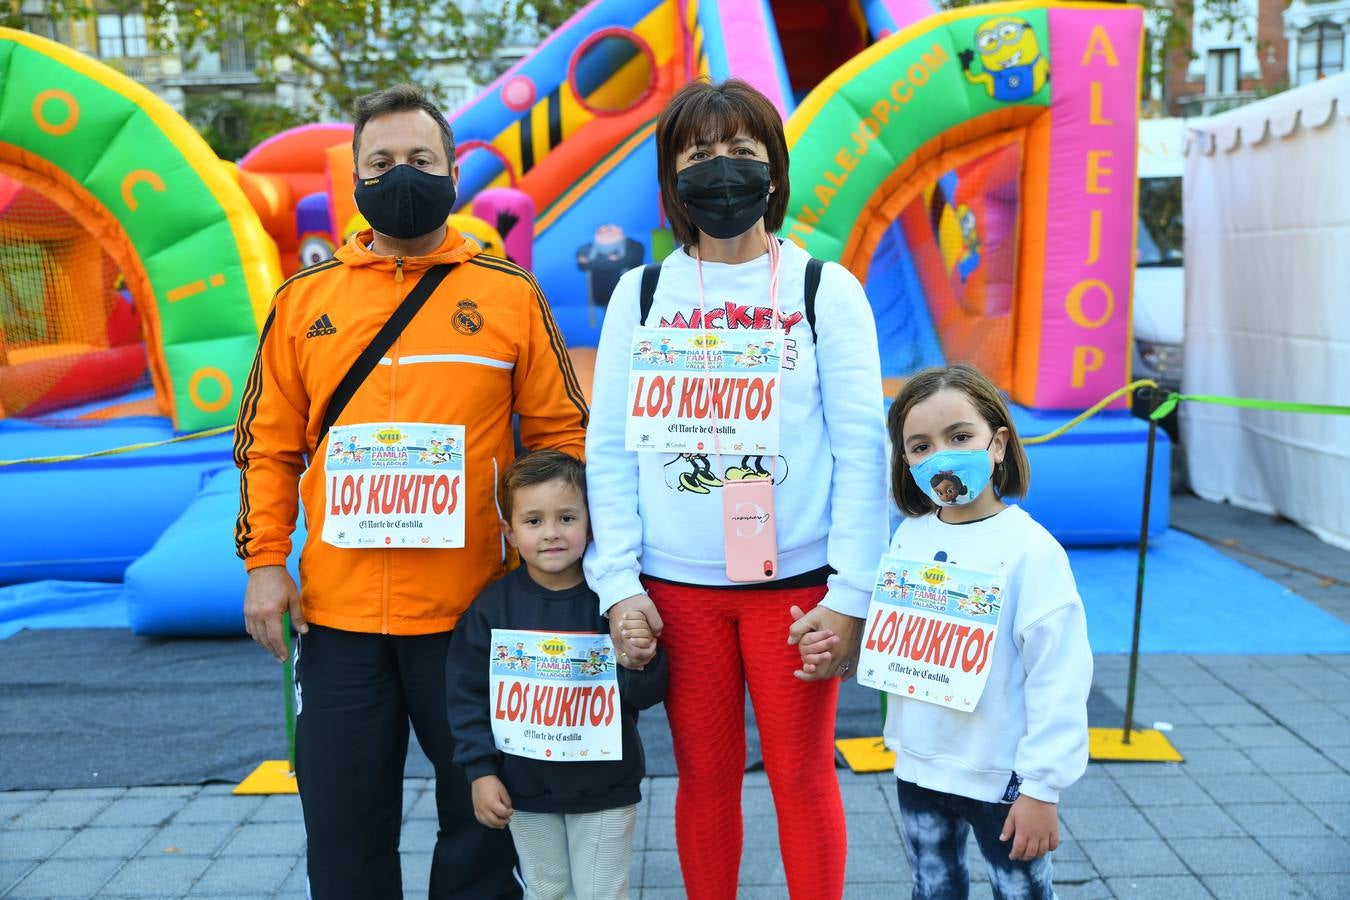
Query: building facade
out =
(1229, 63)
(1318, 32)
(1275, 45)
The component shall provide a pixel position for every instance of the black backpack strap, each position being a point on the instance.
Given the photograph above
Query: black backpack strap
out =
(651, 274)
(813, 269)
(380, 344)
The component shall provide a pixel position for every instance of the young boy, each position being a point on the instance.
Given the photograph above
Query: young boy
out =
(544, 772)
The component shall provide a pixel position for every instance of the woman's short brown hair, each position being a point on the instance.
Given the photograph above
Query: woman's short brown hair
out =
(1011, 477)
(706, 113)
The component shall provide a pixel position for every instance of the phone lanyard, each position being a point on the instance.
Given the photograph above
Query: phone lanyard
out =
(774, 259)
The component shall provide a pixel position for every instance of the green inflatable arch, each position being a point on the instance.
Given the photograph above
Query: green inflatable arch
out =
(135, 174)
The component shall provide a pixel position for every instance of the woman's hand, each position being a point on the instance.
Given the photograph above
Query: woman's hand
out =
(638, 648)
(828, 641)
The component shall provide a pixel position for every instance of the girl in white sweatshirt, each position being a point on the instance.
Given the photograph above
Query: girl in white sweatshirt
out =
(998, 767)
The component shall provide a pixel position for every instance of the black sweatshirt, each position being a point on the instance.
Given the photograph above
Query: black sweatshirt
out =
(515, 601)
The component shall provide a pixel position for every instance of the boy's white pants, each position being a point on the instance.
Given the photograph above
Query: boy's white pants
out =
(583, 856)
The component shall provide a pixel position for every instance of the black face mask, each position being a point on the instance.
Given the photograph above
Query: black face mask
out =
(405, 202)
(725, 197)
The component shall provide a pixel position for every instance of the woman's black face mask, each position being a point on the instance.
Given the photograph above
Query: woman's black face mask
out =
(724, 196)
(405, 202)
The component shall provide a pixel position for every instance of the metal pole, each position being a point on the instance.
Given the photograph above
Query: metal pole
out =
(1139, 577)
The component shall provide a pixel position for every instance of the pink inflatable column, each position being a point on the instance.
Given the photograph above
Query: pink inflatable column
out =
(511, 212)
(1089, 260)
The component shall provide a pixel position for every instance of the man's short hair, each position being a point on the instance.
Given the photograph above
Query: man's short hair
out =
(399, 98)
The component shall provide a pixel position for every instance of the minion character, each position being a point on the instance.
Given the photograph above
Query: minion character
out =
(970, 240)
(1013, 66)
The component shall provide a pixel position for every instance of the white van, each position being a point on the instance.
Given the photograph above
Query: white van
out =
(1159, 279)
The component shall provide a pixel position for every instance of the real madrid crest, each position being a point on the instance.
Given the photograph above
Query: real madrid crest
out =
(467, 319)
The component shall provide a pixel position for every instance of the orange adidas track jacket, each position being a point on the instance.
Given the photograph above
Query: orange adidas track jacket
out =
(484, 346)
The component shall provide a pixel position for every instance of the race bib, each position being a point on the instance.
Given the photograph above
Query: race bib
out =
(555, 696)
(930, 632)
(394, 485)
(683, 382)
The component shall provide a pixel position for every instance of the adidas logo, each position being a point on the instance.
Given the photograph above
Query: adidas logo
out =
(322, 326)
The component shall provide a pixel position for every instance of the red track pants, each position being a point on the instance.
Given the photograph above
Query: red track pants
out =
(718, 641)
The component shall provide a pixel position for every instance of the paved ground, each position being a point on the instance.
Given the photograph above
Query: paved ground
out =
(1260, 809)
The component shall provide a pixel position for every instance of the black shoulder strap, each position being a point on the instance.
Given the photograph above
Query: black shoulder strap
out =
(380, 344)
(813, 269)
(651, 274)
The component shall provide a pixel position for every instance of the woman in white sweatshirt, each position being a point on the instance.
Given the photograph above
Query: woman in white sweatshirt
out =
(658, 517)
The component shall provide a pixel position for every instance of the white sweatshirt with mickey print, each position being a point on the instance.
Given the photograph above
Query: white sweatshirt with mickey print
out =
(660, 514)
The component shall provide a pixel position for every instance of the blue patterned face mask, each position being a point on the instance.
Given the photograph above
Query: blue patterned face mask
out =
(954, 477)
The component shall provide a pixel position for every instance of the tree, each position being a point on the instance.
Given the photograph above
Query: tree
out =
(233, 126)
(349, 47)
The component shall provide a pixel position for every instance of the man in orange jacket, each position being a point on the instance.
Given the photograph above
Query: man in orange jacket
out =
(399, 498)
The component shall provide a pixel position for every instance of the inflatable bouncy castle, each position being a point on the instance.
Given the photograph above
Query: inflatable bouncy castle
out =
(128, 250)
(973, 168)
(136, 178)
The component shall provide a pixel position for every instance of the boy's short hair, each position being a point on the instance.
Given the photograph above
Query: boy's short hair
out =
(399, 98)
(539, 467)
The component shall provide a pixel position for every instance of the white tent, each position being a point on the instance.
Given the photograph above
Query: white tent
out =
(1267, 207)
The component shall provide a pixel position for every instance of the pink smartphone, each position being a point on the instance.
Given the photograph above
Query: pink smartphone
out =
(750, 532)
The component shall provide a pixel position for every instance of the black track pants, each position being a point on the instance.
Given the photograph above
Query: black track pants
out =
(355, 696)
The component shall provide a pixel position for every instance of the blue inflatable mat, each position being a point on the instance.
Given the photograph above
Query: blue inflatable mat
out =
(191, 582)
(1196, 600)
(61, 604)
(87, 520)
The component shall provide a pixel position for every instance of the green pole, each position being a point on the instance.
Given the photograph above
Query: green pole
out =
(288, 690)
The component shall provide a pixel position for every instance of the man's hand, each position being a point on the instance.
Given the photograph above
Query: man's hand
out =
(491, 802)
(1033, 827)
(829, 643)
(637, 649)
(271, 591)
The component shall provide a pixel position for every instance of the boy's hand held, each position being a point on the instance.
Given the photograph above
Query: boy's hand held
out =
(491, 802)
(637, 630)
(631, 655)
(1033, 827)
